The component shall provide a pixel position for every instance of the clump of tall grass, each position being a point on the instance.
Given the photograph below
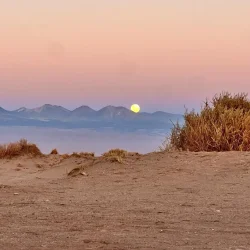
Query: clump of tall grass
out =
(54, 152)
(19, 148)
(115, 155)
(222, 125)
(83, 155)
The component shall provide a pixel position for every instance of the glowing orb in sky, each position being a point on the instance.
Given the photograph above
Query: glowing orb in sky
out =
(135, 108)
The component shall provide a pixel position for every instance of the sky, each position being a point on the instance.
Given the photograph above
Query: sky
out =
(161, 54)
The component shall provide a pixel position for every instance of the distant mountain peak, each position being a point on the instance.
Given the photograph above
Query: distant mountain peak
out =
(22, 109)
(110, 112)
(83, 111)
(49, 107)
(110, 107)
(84, 107)
(2, 110)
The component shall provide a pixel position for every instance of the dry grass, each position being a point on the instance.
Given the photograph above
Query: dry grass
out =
(222, 125)
(83, 155)
(115, 155)
(54, 152)
(18, 149)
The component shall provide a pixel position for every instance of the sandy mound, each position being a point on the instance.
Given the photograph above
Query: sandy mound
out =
(154, 201)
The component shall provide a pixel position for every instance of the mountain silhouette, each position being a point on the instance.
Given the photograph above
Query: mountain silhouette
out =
(84, 116)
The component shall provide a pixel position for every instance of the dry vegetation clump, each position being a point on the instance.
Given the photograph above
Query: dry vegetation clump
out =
(65, 156)
(115, 155)
(54, 152)
(222, 125)
(83, 155)
(18, 149)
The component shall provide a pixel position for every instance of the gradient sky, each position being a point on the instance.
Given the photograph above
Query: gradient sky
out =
(162, 54)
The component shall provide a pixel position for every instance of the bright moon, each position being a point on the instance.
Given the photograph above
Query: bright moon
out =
(135, 108)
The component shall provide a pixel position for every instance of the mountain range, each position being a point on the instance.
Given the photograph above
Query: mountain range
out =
(85, 117)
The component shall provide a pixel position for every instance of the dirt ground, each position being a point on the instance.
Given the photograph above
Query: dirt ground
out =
(155, 201)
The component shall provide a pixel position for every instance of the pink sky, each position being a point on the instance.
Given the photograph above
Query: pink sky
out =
(162, 54)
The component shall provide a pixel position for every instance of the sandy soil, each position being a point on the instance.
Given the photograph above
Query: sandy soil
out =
(155, 201)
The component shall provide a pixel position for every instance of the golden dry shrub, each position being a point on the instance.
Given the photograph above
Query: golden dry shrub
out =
(19, 148)
(83, 154)
(115, 155)
(54, 152)
(222, 125)
(87, 154)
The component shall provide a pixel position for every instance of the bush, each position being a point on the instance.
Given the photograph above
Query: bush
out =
(19, 148)
(54, 152)
(115, 155)
(223, 125)
(83, 155)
